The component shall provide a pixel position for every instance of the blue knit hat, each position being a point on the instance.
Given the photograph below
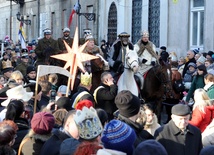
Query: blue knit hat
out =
(118, 136)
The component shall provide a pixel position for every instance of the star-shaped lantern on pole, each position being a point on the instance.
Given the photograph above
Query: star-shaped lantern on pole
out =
(74, 58)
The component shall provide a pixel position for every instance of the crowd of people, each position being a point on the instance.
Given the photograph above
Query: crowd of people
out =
(94, 118)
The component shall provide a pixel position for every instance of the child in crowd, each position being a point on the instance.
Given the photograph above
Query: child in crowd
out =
(188, 77)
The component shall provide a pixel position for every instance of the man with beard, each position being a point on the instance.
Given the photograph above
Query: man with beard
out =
(66, 38)
(146, 51)
(118, 51)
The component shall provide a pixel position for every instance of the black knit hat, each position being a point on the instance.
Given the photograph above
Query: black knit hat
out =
(180, 110)
(127, 103)
(30, 69)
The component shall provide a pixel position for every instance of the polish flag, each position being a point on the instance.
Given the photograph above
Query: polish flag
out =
(76, 7)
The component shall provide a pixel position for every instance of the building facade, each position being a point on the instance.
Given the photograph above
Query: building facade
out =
(179, 25)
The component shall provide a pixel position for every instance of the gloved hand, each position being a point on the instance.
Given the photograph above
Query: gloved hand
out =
(153, 63)
(144, 61)
(116, 65)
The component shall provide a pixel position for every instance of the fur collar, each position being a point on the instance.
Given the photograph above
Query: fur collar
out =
(35, 136)
(207, 86)
(152, 124)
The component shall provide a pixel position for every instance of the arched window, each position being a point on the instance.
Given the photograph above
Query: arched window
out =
(154, 21)
(136, 20)
(197, 24)
(112, 23)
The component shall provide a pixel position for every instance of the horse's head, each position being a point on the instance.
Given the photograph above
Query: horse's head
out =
(132, 61)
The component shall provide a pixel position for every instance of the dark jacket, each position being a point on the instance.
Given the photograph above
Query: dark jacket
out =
(178, 143)
(34, 143)
(186, 65)
(69, 146)
(105, 99)
(21, 133)
(61, 44)
(44, 49)
(43, 102)
(141, 134)
(22, 67)
(52, 145)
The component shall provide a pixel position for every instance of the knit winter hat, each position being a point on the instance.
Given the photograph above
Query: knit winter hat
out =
(118, 136)
(42, 123)
(30, 69)
(150, 147)
(201, 59)
(127, 103)
(192, 64)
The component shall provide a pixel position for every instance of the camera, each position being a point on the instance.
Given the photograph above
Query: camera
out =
(52, 98)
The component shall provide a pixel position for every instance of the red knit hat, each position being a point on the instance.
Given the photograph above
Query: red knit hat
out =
(42, 123)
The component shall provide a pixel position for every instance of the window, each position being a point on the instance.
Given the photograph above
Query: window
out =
(197, 24)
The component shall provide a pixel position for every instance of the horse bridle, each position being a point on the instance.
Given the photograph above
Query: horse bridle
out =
(129, 64)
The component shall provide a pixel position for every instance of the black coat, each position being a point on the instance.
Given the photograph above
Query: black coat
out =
(21, 132)
(52, 145)
(105, 99)
(141, 134)
(177, 143)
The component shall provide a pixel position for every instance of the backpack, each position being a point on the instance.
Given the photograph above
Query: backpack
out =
(178, 86)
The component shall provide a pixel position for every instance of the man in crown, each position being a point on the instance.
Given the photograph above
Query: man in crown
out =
(146, 51)
(46, 47)
(118, 51)
(83, 90)
(7, 69)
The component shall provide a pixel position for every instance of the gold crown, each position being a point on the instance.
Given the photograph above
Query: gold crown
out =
(86, 79)
(145, 33)
(6, 64)
(88, 123)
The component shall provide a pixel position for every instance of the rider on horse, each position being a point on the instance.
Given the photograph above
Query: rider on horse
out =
(146, 51)
(118, 51)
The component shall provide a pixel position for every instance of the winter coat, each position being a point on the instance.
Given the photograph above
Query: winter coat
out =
(22, 67)
(44, 49)
(105, 99)
(186, 65)
(188, 77)
(34, 144)
(52, 145)
(68, 146)
(21, 132)
(151, 127)
(61, 44)
(181, 68)
(141, 134)
(208, 135)
(201, 119)
(177, 142)
(210, 91)
(198, 82)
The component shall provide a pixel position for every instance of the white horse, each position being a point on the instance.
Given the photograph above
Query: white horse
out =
(126, 80)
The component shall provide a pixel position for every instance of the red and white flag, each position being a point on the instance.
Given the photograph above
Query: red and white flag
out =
(76, 7)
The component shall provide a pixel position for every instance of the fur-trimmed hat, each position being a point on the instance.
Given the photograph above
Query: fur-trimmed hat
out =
(127, 103)
(124, 34)
(118, 136)
(180, 110)
(42, 123)
(88, 123)
(150, 147)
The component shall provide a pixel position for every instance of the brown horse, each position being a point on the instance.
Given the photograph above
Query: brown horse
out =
(157, 83)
